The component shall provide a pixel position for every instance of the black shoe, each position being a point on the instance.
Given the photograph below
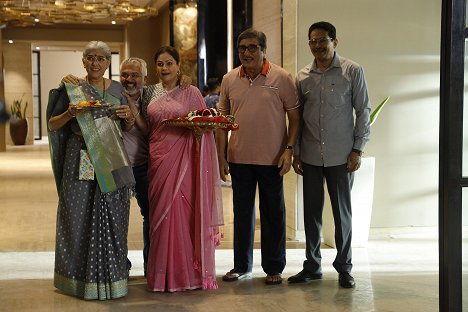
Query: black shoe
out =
(304, 276)
(346, 280)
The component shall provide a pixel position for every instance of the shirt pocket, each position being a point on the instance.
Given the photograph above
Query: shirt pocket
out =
(270, 92)
(337, 92)
(268, 89)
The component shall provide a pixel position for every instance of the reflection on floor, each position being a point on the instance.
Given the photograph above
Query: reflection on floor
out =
(394, 273)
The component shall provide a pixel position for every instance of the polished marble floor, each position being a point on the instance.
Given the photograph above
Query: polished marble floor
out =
(397, 271)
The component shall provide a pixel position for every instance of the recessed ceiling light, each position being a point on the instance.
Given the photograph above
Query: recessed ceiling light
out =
(38, 48)
(36, 20)
(113, 22)
(10, 41)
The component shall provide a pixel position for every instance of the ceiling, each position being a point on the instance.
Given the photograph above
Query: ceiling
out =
(50, 12)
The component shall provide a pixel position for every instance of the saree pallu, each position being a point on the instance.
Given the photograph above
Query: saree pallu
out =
(103, 139)
(185, 199)
(92, 226)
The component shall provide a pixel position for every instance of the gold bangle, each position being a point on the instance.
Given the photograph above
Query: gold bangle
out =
(129, 121)
(70, 114)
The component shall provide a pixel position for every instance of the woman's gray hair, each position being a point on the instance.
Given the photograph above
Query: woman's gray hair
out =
(137, 61)
(95, 45)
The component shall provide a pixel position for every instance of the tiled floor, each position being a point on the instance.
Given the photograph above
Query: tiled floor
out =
(397, 272)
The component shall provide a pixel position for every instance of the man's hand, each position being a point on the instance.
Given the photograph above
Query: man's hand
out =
(285, 161)
(297, 164)
(131, 102)
(223, 168)
(124, 112)
(354, 161)
(185, 81)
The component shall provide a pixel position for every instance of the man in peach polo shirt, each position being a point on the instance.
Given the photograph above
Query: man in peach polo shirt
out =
(259, 95)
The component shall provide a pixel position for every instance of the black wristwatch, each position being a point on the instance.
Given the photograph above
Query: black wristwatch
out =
(289, 147)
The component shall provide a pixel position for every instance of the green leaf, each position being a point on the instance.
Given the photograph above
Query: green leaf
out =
(17, 109)
(375, 113)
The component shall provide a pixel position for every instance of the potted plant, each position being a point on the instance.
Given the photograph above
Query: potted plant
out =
(362, 195)
(18, 122)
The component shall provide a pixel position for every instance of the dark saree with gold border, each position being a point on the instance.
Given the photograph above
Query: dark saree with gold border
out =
(93, 215)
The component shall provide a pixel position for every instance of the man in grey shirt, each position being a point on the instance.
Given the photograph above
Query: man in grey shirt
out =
(335, 109)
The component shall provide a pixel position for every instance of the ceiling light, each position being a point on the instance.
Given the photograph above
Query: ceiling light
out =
(113, 22)
(26, 13)
(10, 41)
(138, 10)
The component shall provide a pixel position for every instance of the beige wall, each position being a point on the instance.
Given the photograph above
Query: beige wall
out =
(290, 36)
(267, 18)
(401, 59)
(144, 37)
(18, 81)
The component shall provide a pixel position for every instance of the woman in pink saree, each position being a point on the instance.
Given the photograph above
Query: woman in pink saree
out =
(184, 190)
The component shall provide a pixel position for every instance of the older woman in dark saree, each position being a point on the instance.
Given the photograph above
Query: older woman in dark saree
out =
(94, 182)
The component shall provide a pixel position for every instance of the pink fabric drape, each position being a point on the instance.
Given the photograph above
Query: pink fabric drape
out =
(185, 198)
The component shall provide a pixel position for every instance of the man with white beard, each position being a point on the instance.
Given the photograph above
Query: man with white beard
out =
(133, 76)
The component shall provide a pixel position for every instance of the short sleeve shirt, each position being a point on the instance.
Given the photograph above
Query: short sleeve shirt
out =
(259, 107)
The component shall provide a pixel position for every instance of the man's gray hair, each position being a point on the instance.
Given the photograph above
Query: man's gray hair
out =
(137, 61)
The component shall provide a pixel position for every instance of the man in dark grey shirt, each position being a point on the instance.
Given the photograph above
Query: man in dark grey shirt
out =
(335, 109)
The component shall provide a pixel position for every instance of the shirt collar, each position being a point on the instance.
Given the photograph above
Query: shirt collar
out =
(335, 62)
(265, 69)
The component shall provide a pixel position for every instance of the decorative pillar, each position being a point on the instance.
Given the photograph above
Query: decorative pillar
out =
(2, 98)
(183, 27)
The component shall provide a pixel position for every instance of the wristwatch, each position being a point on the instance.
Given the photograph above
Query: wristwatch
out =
(289, 147)
(357, 151)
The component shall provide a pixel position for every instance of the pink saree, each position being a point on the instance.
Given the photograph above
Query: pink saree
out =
(185, 198)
